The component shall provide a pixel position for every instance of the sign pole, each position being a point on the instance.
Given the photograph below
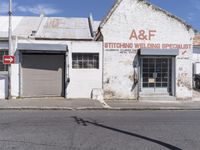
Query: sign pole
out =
(9, 47)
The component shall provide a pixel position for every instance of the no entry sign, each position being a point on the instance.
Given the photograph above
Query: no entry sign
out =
(8, 59)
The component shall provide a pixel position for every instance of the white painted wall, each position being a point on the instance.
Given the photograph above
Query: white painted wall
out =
(15, 68)
(3, 86)
(118, 69)
(83, 81)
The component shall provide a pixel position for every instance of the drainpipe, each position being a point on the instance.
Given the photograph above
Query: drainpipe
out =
(67, 71)
(139, 73)
(91, 25)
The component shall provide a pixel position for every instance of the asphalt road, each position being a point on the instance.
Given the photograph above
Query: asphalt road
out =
(100, 130)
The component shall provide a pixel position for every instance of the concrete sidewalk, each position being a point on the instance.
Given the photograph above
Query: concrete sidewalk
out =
(49, 104)
(88, 104)
(155, 105)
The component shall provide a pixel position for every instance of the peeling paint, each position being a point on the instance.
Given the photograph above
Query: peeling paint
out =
(108, 94)
(131, 78)
(107, 81)
(183, 81)
(127, 62)
(126, 65)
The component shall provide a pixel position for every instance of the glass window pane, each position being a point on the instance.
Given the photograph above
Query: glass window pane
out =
(145, 60)
(151, 84)
(150, 75)
(158, 79)
(164, 84)
(145, 65)
(145, 74)
(145, 84)
(145, 79)
(164, 80)
(151, 65)
(85, 60)
(158, 84)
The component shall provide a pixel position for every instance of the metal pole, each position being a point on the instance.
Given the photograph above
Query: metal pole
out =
(9, 47)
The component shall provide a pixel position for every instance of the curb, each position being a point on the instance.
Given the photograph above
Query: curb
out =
(37, 108)
(99, 108)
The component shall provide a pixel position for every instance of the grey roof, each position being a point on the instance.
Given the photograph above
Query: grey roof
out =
(48, 27)
(64, 28)
(21, 26)
(26, 26)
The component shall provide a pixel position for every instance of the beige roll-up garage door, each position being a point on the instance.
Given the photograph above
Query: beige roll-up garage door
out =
(42, 75)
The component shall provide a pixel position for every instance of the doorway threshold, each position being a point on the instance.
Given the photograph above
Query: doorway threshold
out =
(157, 98)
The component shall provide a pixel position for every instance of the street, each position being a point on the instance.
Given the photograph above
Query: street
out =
(99, 130)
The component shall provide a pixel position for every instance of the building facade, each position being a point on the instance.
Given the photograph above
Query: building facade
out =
(196, 54)
(138, 50)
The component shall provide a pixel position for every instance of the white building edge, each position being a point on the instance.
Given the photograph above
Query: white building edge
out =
(137, 51)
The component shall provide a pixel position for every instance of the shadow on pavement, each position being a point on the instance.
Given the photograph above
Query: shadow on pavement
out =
(85, 122)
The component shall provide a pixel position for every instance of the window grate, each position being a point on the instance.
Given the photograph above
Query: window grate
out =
(2, 66)
(85, 60)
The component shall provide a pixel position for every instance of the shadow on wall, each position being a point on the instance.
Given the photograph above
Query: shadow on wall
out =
(40, 61)
(135, 71)
(84, 122)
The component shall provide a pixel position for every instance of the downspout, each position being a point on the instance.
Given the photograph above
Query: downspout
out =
(35, 33)
(18, 60)
(91, 25)
(102, 59)
(67, 78)
(139, 73)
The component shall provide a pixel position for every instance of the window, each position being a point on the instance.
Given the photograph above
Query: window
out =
(2, 66)
(85, 60)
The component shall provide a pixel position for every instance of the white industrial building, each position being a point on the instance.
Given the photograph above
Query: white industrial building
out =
(196, 54)
(138, 50)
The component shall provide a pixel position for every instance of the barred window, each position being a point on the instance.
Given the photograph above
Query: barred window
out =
(2, 66)
(85, 60)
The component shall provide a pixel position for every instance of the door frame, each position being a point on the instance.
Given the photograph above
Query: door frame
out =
(173, 74)
(40, 52)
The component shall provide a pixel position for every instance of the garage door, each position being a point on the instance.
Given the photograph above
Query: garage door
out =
(43, 75)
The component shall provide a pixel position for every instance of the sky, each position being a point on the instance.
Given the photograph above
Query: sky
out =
(187, 10)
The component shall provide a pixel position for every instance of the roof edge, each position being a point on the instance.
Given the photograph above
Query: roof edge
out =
(188, 26)
(118, 2)
(109, 14)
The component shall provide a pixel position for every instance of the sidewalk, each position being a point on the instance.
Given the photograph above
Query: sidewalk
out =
(49, 104)
(88, 104)
(155, 105)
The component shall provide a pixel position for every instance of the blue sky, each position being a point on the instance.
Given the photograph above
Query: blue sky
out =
(188, 10)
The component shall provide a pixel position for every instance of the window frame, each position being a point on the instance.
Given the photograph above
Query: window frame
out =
(83, 60)
(5, 52)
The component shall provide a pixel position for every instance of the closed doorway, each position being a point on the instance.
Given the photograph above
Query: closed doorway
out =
(156, 75)
(42, 75)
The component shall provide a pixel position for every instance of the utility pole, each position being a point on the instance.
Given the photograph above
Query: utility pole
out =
(9, 47)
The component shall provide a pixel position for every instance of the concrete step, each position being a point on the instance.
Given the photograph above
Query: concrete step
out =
(157, 98)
